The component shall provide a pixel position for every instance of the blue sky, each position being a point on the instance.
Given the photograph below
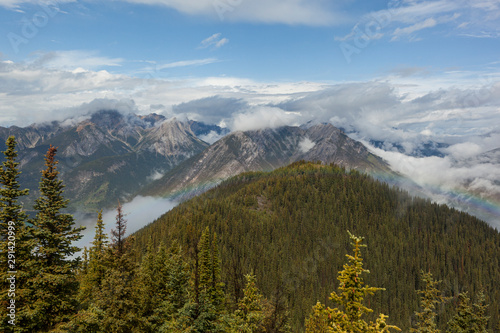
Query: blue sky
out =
(316, 40)
(404, 72)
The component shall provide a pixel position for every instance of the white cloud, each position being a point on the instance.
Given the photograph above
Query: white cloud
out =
(305, 12)
(428, 23)
(211, 137)
(263, 117)
(184, 63)
(79, 60)
(215, 41)
(138, 213)
(13, 4)
(306, 144)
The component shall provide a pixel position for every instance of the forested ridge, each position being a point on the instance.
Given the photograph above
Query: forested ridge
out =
(289, 228)
(262, 252)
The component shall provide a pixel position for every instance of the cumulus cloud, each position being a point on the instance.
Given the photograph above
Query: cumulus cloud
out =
(211, 110)
(263, 117)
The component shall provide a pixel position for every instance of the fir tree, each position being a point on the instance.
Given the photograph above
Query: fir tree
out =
(161, 288)
(117, 298)
(318, 321)
(209, 269)
(479, 308)
(94, 267)
(250, 307)
(352, 292)
(429, 299)
(14, 236)
(53, 284)
(462, 320)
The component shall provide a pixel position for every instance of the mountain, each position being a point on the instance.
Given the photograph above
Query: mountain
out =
(106, 157)
(289, 228)
(265, 150)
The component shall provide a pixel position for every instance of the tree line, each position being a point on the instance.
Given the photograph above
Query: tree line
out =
(191, 281)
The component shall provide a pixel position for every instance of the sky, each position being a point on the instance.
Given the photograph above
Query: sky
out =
(401, 72)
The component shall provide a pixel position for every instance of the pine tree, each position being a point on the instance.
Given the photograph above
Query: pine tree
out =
(14, 236)
(53, 284)
(352, 292)
(429, 299)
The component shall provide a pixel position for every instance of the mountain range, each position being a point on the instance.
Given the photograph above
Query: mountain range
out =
(110, 156)
(265, 150)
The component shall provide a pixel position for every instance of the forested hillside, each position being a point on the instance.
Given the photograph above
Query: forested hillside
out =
(289, 228)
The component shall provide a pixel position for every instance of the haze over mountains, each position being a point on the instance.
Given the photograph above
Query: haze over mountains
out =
(108, 156)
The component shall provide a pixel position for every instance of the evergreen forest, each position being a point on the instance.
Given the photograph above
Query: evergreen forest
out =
(305, 248)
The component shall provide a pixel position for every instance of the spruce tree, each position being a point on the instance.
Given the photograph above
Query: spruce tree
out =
(429, 299)
(117, 298)
(161, 288)
(352, 292)
(318, 321)
(14, 236)
(251, 308)
(469, 317)
(479, 309)
(94, 268)
(53, 284)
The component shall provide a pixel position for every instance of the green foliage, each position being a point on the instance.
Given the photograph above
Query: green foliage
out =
(469, 317)
(52, 282)
(14, 236)
(161, 288)
(93, 268)
(430, 299)
(288, 228)
(351, 297)
(117, 299)
(249, 316)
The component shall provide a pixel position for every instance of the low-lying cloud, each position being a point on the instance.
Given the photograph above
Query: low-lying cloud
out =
(138, 213)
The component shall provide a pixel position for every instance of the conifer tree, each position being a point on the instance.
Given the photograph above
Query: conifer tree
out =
(352, 292)
(469, 317)
(117, 298)
(479, 309)
(14, 236)
(161, 288)
(209, 269)
(318, 321)
(250, 308)
(462, 320)
(94, 268)
(53, 284)
(429, 299)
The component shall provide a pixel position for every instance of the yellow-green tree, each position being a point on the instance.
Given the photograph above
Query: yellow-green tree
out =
(429, 299)
(348, 316)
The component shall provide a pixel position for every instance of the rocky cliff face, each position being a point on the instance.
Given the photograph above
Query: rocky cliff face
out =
(264, 150)
(107, 157)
